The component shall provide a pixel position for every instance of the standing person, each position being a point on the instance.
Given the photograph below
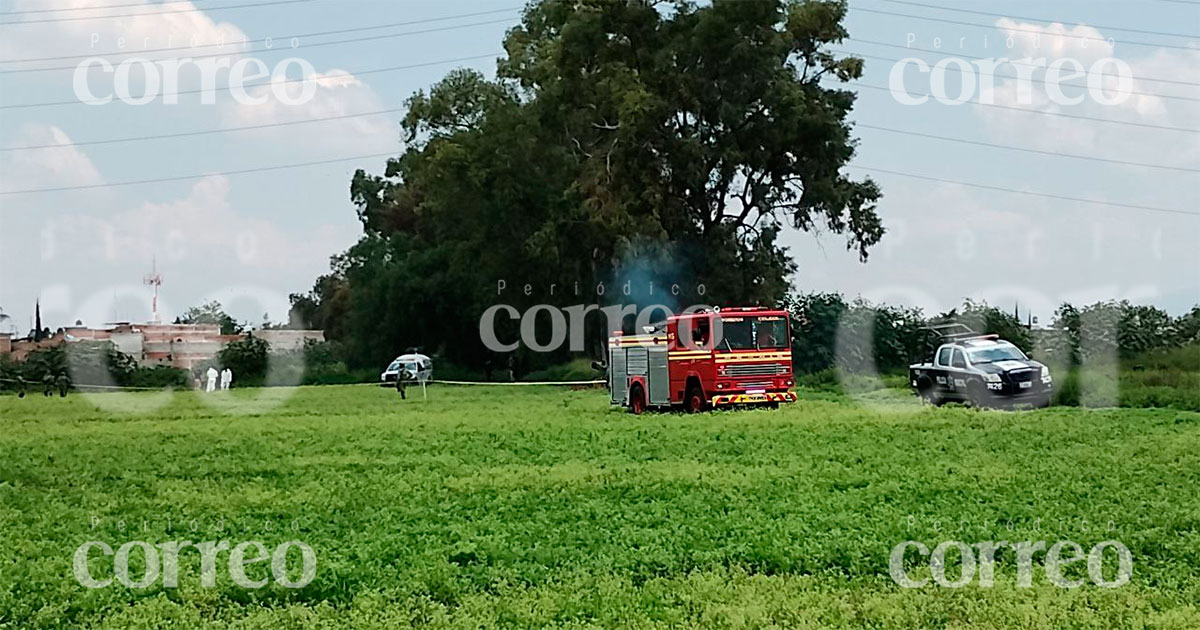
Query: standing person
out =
(402, 378)
(48, 385)
(226, 378)
(63, 383)
(212, 379)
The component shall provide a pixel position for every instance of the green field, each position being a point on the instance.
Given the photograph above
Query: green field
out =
(533, 507)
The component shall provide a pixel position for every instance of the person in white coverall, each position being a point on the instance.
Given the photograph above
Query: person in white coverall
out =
(211, 384)
(226, 378)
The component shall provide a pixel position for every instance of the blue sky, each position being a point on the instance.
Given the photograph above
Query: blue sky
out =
(249, 240)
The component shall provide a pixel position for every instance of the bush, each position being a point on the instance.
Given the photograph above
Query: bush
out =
(159, 377)
(576, 370)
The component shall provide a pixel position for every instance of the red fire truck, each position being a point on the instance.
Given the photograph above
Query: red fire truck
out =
(728, 356)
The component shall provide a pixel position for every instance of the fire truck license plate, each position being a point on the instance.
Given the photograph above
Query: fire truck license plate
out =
(756, 391)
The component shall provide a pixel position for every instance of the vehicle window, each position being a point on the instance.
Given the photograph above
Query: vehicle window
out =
(996, 353)
(771, 333)
(944, 356)
(753, 333)
(960, 361)
(737, 333)
(694, 333)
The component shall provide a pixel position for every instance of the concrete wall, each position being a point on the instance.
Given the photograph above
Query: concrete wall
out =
(128, 342)
(285, 340)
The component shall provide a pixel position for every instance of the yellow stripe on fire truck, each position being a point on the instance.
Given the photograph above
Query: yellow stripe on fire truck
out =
(737, 399)
(764, 356)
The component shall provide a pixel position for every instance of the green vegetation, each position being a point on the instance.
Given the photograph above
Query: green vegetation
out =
(530, 507)
(640, 142)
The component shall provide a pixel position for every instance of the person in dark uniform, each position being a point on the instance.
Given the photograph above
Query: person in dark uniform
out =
(48, 385)
(20, 387)
(402, 378)
(64, 384)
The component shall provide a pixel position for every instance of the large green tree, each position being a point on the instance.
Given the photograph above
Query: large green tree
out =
(213, 314)
(666, 142)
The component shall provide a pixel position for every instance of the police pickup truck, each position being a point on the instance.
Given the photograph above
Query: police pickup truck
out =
(982, 370)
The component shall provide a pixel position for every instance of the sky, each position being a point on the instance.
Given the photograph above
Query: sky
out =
(249, 239)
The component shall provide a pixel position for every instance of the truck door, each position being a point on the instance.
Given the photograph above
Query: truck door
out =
(943, 383)
(691, 349)
(958, 372)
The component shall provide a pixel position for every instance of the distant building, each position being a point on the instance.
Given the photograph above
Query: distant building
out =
(177, 345)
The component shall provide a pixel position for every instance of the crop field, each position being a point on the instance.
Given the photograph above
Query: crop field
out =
(532, 507)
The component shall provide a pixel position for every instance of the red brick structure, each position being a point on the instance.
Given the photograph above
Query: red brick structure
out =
(176, 345)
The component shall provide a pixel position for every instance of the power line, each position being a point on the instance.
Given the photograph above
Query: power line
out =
(121, 15)
(1027, 149)
(1014, 62)
(1040, 112)
(226, 88)
(279, 37)
(382, 112)
(98, 7)
(159, 180)
(203, 132)
(306, 46)
(1033, 19)
(263, 169)
(1005, 76)
(1021, 30)
(1026, 192)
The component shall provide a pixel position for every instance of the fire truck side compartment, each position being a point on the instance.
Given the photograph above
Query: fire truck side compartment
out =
(619, 383)
(659, 378)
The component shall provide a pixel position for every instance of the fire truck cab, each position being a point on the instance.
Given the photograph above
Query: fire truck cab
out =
(695, 361)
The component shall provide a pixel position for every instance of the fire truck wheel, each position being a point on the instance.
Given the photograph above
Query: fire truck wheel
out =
(694, 401)
(637, 399)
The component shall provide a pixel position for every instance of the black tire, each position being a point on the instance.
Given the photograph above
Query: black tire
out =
(927, 392)
(637, 399)
(978, 394)
(693, 400)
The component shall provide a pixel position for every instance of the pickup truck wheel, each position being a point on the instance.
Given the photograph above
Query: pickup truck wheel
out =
(978, 395)
(927, 392)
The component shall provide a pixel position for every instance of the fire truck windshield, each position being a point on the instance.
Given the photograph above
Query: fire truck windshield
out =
(753, 333)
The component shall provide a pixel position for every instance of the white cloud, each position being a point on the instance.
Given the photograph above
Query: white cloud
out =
(335, 93)
(201, 228)
(155, 26)
(1086, 45)
(57, 165)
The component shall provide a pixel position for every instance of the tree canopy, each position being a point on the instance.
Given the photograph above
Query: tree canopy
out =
(666, 142)
(211, 313)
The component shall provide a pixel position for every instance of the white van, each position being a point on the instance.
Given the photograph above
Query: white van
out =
(419, 367)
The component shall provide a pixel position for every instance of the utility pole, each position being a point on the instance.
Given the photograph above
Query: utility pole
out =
(155, 280)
